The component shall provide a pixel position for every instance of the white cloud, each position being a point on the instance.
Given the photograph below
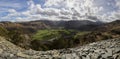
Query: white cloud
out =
(118, 3)
(62, 10)
(12, 10)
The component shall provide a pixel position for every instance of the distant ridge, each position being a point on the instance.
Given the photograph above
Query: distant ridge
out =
(83, 25)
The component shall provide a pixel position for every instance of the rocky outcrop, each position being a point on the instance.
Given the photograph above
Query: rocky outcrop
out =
(107, 49)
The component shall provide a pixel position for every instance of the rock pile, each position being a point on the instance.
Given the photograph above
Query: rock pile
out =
(107, 49)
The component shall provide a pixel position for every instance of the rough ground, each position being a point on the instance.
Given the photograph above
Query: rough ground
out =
(107, 49)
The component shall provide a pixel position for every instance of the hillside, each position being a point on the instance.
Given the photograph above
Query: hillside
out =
(102, 42)
(39, 35)
(106, 31)
(34, 26)
(22, 33)
(109, 49)
(110, 26)
(26, 27)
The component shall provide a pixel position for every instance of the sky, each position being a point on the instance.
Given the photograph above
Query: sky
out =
(30, 10)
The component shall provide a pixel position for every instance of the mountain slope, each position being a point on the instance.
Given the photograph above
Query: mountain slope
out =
(106, 31)
(26, 27)
(109, 49)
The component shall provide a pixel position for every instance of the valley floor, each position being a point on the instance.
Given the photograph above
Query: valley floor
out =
(107, 49)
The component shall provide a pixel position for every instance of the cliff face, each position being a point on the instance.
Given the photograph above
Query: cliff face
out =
(107, 49)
